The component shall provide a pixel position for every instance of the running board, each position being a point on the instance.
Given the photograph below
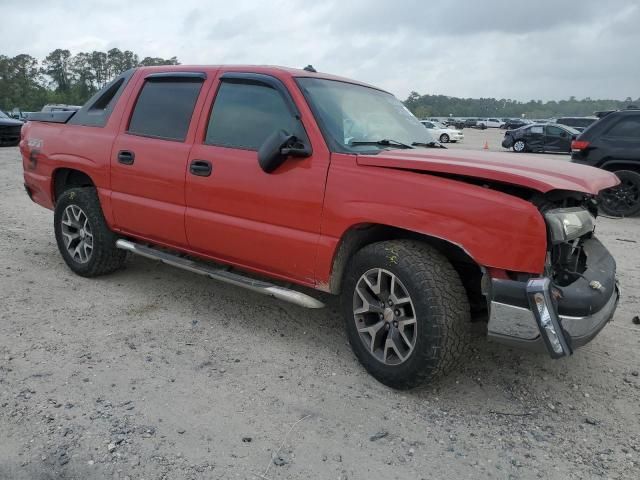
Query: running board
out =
(258, 286)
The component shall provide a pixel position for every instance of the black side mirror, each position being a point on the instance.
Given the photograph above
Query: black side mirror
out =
(277, 147)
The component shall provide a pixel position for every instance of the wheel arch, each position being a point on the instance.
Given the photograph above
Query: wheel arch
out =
(361, 235)
(64, 178)
(613, 165)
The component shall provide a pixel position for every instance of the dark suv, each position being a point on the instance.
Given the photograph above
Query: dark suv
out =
(613, 143)
(579, 123)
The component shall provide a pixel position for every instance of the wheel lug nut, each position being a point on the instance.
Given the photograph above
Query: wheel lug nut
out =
(395, 324)
(390, 303)
(381, 316)
(397, 312)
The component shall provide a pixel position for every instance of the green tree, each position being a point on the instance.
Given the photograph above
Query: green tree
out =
(56, 67)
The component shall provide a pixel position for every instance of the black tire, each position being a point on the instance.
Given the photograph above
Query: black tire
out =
(516, 146)
(624, 199)
(104, 256)
(441, 311)
(444, 138)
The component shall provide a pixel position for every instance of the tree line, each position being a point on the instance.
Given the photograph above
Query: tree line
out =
(28, 83)
(424, 106)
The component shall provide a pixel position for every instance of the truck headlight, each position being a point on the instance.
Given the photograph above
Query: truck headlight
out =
(567, 224)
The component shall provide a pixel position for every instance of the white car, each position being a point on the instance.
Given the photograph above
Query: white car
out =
(491, 122)
(441, 133)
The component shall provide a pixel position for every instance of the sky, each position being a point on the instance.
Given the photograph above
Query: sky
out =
(516, 49)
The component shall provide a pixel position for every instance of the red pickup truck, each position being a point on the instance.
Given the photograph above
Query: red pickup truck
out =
(241, 173)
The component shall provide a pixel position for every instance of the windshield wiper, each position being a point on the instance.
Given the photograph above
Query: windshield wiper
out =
(430, 144)
(384, 142)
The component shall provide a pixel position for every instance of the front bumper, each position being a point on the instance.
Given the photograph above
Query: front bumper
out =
(538, 315)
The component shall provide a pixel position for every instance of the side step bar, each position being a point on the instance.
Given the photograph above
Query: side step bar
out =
(258, 286)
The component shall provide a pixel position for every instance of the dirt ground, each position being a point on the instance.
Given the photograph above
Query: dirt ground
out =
(155, 373)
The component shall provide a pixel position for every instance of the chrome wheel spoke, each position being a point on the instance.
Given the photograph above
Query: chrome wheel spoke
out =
(385, 316)
(76, 233)
(374, 333)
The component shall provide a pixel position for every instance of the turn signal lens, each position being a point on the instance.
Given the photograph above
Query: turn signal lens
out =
(547, 324)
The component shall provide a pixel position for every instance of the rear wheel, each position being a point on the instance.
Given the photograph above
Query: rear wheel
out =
(406, 312)
(624, 199)
(444, 138)
(519, 146)
(87, 245)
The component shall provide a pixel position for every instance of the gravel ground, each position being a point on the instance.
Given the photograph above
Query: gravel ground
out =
(155, 373)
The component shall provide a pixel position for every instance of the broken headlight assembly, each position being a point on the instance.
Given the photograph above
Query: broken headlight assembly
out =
(567, 224)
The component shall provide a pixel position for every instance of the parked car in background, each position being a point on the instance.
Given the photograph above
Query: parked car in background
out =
(513, 123)
(60, 108)
(19, 114)
(613, 144)
(540, 138)
(491, 122)
(9, 130)
(454, 123)
(578, 123)
(442, 133)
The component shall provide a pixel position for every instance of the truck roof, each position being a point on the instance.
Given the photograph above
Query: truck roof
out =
(265, 69)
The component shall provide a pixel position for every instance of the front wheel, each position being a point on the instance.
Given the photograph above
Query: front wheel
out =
(444, 138)
(87, 245)
(519, 146)
(406, 312)
(622, 200)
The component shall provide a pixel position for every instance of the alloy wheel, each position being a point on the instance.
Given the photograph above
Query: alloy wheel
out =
(518, 146)
(77, 234)
(385, 316)
(622, 198)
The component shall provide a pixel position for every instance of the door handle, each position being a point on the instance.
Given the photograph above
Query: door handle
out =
(126, 157)
(201, 168)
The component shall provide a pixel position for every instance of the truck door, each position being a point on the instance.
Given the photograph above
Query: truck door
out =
(235, 211)
(149, 157)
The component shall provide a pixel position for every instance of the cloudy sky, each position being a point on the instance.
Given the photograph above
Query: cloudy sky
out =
(542, 49)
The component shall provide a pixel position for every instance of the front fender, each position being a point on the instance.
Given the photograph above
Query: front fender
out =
(494, 228)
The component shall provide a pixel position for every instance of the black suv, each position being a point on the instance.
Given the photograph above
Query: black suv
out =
(579, 123)
(9, 130)
(613, 143)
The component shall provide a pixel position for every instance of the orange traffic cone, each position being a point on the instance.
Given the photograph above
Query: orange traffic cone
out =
(486, 145)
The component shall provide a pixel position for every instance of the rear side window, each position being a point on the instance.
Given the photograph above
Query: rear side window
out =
(165, 107)
(96, 112)
(245, 114)
(555, 131)
(628, 127)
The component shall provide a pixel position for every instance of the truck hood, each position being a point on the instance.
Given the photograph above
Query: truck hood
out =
(527, 171)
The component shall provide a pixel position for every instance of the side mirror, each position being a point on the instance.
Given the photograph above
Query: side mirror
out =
(277, 147)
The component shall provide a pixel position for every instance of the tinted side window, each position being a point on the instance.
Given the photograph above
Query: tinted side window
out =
(164, 108)
(627, 127)
(555, 131)
(245, 114)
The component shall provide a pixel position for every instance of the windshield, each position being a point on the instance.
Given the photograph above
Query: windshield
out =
(3, 115)
(354, 117)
